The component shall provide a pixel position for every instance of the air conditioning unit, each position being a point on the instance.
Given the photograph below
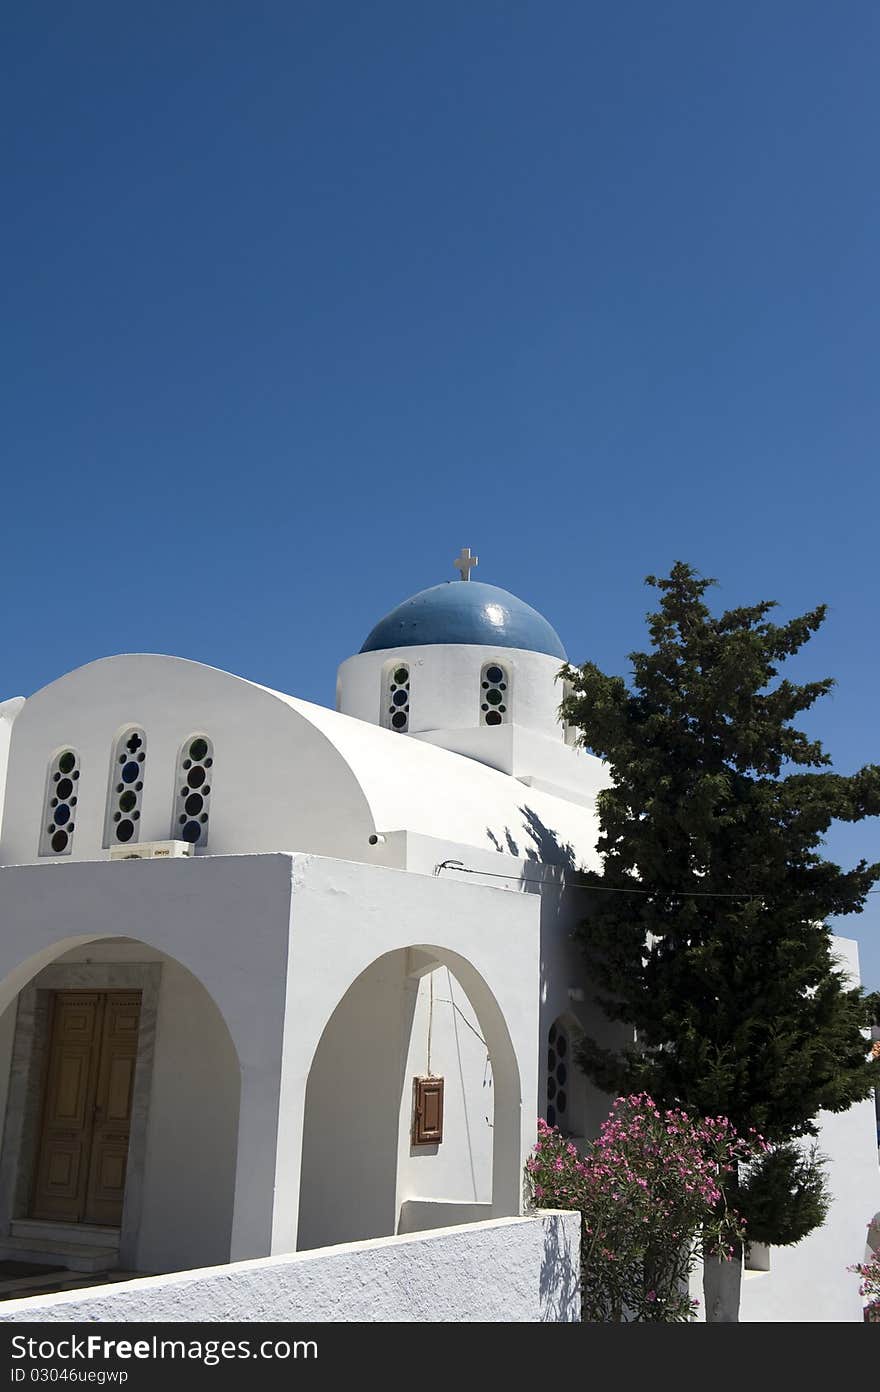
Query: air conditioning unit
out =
(152, 850)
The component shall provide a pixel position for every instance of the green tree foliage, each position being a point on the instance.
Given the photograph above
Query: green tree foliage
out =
(722, 959)
(783, 1196)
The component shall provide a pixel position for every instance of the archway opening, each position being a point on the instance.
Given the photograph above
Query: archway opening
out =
(414, 1013)
(119, 1084)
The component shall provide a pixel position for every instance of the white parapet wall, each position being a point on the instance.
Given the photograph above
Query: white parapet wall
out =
(509, 1269)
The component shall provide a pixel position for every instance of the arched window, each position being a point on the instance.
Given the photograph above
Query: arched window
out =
(567, 1096)
(558, 1064)
(395, 698)
(123, 819)
(59, 806)
(192, 801)
(494, 694)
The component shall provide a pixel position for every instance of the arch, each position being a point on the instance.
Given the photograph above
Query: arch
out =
(192, 794)
(563, 1081)
(125, 787)
(179, 1186)
(60, 803)
(356, 1125)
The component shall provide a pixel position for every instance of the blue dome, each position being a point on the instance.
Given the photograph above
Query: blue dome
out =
(465, 612)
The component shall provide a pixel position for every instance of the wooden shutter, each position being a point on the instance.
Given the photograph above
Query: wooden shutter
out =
(427, 1126)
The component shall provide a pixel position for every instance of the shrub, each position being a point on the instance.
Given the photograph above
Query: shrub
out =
(870, 1282)
(651, 1193)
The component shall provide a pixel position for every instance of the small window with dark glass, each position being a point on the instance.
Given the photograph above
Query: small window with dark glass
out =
(395, 703)
(494, 694)
(558, 1064)
(60, 804)
(192, 801)
(127, 767)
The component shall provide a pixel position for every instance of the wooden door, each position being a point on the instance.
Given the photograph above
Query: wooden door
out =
(112, 1108)
(86, 1119)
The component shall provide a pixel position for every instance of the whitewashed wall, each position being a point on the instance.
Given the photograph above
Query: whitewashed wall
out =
(8, 712)
(7, 1039)
(445, 685)
(356, 1152)
(460, 1169)
(287, 775)
(513, 1269)
(277, 942)
(268, 761)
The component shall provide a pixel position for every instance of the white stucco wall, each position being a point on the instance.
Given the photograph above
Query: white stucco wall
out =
(287, 775)
(277, 942)
(460, 1169)
(445, 691)
(227, 922)
(563, 989)
(350, 1141)
(7, 1037)
(359, 1108)
(539, 761)
(497, 935)
(809, 1283)
(8, 712)
(515, 1269)
(276, 783)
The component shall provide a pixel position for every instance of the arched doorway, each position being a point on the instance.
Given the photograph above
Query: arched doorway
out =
(360, 1167)
(152, 1156)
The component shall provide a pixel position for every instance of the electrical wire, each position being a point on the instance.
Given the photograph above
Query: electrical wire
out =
(607, 889)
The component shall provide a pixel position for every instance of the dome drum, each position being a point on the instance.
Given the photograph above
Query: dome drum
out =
(445, 688)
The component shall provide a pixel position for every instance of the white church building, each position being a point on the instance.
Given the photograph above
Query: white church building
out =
(275, 977)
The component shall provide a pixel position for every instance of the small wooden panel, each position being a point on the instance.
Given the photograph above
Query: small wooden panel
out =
(427, 1127)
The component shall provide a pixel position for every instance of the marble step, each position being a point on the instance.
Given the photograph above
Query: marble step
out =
(75, 1256)
(79, 1234)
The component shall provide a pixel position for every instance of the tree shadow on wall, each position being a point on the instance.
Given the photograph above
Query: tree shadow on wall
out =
(560, 1280)
(546, 848)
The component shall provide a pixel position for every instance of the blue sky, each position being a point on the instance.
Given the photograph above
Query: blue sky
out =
(301, 298)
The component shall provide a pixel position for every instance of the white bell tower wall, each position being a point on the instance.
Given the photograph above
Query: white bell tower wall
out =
(446, 689)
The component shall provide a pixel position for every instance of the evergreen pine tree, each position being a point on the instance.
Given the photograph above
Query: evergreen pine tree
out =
(717, 952)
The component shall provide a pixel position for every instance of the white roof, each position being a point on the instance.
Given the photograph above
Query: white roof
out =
(288, 774)
(411, 786)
